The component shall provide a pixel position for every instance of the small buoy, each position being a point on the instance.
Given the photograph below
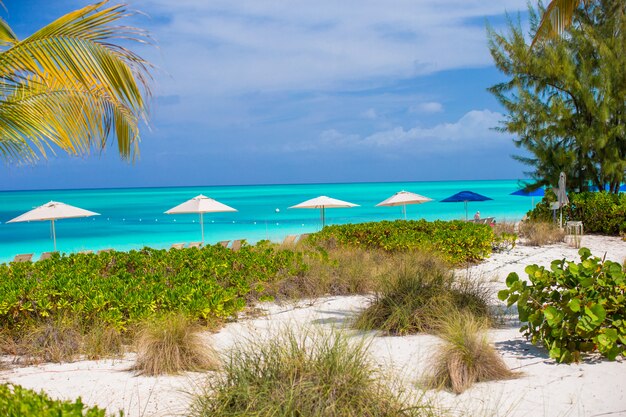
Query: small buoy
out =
(174, 219)
(156, 220)
(277, 210)
(139, 219)
(277, 224)
(254, 222)
(123, 220)
(233, 221)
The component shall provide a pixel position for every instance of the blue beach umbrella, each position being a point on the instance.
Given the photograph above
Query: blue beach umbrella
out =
(465, 196)
(539, 192)
(622, 188)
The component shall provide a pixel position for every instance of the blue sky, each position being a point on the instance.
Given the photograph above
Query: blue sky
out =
(260, 91)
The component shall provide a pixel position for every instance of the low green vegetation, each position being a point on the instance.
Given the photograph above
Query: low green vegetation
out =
(16, 401)
(302, 373)
(121, 289)
(572, 308)
(457, 241)
(414, 296)
(92, 304)
(600, 212)
(465, 357)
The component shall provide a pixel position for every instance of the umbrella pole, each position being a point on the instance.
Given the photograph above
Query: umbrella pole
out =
(202, 225)
(404, 210)
(54, 235)
(465, 209)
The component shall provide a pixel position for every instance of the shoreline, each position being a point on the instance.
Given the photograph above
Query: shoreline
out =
(591, 387)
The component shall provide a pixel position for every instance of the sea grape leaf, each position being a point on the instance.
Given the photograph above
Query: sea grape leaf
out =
(574, 304)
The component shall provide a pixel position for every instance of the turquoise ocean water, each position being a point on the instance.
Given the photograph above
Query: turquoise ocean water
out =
(133, 218)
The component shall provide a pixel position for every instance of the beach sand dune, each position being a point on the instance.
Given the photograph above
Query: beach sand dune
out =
(595, 387)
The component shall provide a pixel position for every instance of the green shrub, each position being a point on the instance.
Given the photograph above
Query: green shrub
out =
(572, 308)
(16, 401)
(415, 295)
(119, 289)
(600, 212)
(459, 242)
(305, 374)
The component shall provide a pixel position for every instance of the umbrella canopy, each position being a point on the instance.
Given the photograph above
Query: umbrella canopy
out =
(622, 188)
(465, 196)
(323, 203)
(561, 192)
(53, 211)
(200, 204)
(539, 192)
(402, 198)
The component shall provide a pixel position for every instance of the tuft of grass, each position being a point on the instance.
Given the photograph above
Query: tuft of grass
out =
(415, 295)
(541, 233)
(171, 344)
(302, 374)
(465, 357)
(56, 340)
(103, 341)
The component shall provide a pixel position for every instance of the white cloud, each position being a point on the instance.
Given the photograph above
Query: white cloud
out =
(259, 45)
(474, 129)
(427, 107)
(370, 114)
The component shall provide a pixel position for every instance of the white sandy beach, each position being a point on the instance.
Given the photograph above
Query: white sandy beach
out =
(594, 387)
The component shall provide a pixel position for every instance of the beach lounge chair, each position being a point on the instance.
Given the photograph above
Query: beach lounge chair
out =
(237, 244)
(178, 245)
(290, 239)
(104, 251)
(46, 255)
(224, 243)
(194, 245)
(24, 257)
(85, 252)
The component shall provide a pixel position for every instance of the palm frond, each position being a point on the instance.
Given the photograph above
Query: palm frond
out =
(7, 37)
(44, 113)
(69, 85)
(556, 18)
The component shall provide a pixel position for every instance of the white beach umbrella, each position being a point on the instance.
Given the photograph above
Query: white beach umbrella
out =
(323, 203)
(200, 204)
(53, 211)
(402, 198)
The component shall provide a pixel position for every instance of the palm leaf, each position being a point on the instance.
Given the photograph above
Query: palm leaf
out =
(44, 113)
(69, 85)
(557, 17)
(7, 37)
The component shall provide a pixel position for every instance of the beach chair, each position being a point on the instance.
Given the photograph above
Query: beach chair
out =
(101, 251)
(290, 239)
(46, 255)
(24, 257)
(224, 243)
(194, 245)
(178, 246)
(237, 244)
(85, 252)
